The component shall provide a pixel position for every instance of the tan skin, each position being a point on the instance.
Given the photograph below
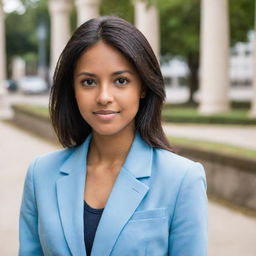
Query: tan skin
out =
(105, 80)
(103, 167)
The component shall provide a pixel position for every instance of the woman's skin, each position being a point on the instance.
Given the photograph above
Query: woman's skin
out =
(108, 90)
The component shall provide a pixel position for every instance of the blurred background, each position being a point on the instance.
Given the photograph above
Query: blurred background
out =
(207, 53)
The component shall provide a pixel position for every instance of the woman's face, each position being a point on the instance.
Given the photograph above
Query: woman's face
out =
(107, 89)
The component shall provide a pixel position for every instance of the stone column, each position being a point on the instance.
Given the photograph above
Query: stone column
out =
(2, 49)
(18, 68)
(253, 103)
(214, 63)
(60, 28)
(147, 21)
(86, 10)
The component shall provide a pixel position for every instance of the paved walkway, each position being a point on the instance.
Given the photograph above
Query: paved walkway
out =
(17, 148)
(230, 233)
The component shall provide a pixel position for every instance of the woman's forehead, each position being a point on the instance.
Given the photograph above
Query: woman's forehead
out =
(102, 55)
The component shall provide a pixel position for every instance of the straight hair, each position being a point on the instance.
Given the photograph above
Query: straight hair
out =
(69, 125)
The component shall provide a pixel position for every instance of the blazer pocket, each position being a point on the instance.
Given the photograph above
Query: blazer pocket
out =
(157, 213)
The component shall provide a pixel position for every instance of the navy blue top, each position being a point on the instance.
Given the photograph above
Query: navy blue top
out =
(91, 220)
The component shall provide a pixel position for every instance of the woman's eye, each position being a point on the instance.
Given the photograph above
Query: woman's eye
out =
(88, 82)
(122, 81)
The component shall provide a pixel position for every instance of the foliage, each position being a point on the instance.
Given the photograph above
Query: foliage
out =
(241, 19)
(18, 35)
(121, 8)
(21, 29)
(180, 30)
(180, 25)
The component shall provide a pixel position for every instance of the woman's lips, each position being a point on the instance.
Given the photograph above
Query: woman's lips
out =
(106, 114)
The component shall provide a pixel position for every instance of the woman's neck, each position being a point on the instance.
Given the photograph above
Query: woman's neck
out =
(110, 149)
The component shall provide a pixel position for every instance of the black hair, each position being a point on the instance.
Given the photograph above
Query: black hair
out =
(67, 121)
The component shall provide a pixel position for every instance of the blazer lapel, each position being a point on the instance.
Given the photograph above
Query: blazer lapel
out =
(126, 195)
(70, 196)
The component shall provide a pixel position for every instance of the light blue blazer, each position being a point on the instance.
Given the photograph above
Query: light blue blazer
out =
(157, 207)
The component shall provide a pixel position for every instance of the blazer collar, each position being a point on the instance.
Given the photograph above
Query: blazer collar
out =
(126, 195)
(138, 160)
(77, 158)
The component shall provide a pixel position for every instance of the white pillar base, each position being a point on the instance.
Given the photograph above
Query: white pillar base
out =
(208, 109)
(18, 68)
(252, 113)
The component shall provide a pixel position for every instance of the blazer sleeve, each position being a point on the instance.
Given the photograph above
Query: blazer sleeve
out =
(28, 221)
(188, 234)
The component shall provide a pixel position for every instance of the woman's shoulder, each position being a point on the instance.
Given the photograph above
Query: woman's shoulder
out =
(170, 165)
(57, 155)
(164, 156)
(51, 160)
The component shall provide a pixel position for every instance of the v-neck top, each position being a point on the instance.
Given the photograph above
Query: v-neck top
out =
(91, 220)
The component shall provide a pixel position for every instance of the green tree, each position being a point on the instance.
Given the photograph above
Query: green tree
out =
(180, 27)
(21, 31)
(241, 19)
(121, 8)
(180, 30)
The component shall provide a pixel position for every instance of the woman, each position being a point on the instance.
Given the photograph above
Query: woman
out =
(117, 189)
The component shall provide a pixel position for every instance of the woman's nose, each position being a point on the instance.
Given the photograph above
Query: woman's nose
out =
(105, 95)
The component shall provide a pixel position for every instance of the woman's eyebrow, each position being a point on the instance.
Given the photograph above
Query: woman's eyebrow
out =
(86, 73)
(113, 74)
(121, 72)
